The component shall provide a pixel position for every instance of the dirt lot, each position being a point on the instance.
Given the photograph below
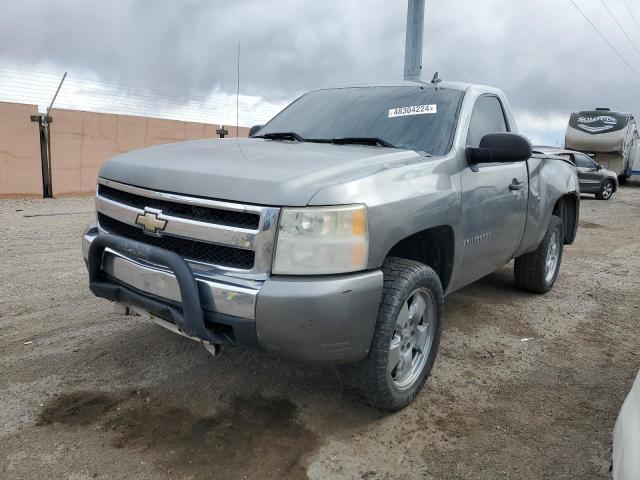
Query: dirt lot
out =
(86, 393)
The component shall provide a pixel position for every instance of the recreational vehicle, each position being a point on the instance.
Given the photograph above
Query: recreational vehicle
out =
(611, 137)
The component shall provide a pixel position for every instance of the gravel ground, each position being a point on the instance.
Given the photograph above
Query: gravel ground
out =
(86, 393)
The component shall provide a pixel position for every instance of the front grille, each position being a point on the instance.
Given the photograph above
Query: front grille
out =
(230, 257)
(218, 216)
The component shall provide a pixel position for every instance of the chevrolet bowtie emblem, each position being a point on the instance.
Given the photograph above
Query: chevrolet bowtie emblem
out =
(150, 221)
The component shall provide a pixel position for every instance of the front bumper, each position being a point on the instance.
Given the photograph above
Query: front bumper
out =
(327, 318)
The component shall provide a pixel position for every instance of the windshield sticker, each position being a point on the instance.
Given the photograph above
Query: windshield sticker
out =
(412, 110)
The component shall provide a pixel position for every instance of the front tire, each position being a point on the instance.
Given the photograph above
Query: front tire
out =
(537, 271)
(606, 190)
(405, 340)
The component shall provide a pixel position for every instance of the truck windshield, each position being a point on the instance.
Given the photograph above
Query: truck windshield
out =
(420, 118)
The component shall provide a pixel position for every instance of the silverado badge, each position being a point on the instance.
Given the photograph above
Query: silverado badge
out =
(150, 221)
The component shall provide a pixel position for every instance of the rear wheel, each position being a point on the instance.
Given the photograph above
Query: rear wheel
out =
(537, 271)
(606, 190)
(406, 338)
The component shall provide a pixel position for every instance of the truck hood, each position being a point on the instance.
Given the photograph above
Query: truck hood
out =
(259, 171)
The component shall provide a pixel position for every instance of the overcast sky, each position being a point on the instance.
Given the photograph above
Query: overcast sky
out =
(542, 53)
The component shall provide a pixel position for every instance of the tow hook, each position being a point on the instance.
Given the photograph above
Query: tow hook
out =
(121, 309)
(213, 348)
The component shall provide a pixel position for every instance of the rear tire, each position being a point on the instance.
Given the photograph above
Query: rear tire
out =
(606, 190)
(537, 271)
(405, 340)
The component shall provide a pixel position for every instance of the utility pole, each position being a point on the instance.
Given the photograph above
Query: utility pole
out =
(413, 45)
(44, 127)
(238, 95)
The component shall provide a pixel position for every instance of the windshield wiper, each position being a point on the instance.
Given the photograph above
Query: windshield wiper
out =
(364, 141)
(281, 136)
(338, 141)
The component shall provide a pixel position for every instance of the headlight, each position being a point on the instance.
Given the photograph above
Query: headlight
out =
(318, 240)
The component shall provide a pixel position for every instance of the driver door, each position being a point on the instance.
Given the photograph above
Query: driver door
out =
(494, 199)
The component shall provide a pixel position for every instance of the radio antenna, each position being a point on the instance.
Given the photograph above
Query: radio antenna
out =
(238, 95)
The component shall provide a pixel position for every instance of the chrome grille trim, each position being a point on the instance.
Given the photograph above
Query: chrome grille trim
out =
(181, 227)
(174, 197)
(260, 240)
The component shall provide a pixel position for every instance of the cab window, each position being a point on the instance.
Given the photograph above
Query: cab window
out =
(487, 117)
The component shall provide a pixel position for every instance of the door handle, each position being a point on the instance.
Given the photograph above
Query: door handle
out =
(516, 185)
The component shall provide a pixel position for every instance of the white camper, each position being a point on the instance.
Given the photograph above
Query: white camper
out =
(612, 137)
(635, 163)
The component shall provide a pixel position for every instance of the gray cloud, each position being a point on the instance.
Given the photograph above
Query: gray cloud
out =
(542, 53)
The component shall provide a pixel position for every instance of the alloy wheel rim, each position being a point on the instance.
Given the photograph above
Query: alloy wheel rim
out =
(412, 339)
(607, 190)
(553, 252)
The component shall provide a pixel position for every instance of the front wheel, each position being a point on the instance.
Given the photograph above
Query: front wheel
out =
(606, 190)
(406, 337)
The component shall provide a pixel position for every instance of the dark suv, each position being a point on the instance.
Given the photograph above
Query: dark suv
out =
(594, 178)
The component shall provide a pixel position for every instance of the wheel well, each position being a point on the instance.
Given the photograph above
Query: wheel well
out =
(567, 208)
(433, 247)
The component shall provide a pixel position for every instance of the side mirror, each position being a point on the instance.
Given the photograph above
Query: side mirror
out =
(500, 148)
(599, 167)
(255, 129)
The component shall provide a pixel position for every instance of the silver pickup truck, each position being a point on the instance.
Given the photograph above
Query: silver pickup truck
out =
(336, 231)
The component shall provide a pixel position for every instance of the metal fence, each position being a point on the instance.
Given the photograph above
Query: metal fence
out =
(30, 86)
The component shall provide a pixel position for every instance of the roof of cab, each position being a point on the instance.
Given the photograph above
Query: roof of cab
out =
(404, 83)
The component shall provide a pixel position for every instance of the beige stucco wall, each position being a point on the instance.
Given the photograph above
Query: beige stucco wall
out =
(20, 166)
(82, 141)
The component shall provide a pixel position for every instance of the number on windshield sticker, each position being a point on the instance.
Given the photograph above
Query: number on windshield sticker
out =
(412, 110)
